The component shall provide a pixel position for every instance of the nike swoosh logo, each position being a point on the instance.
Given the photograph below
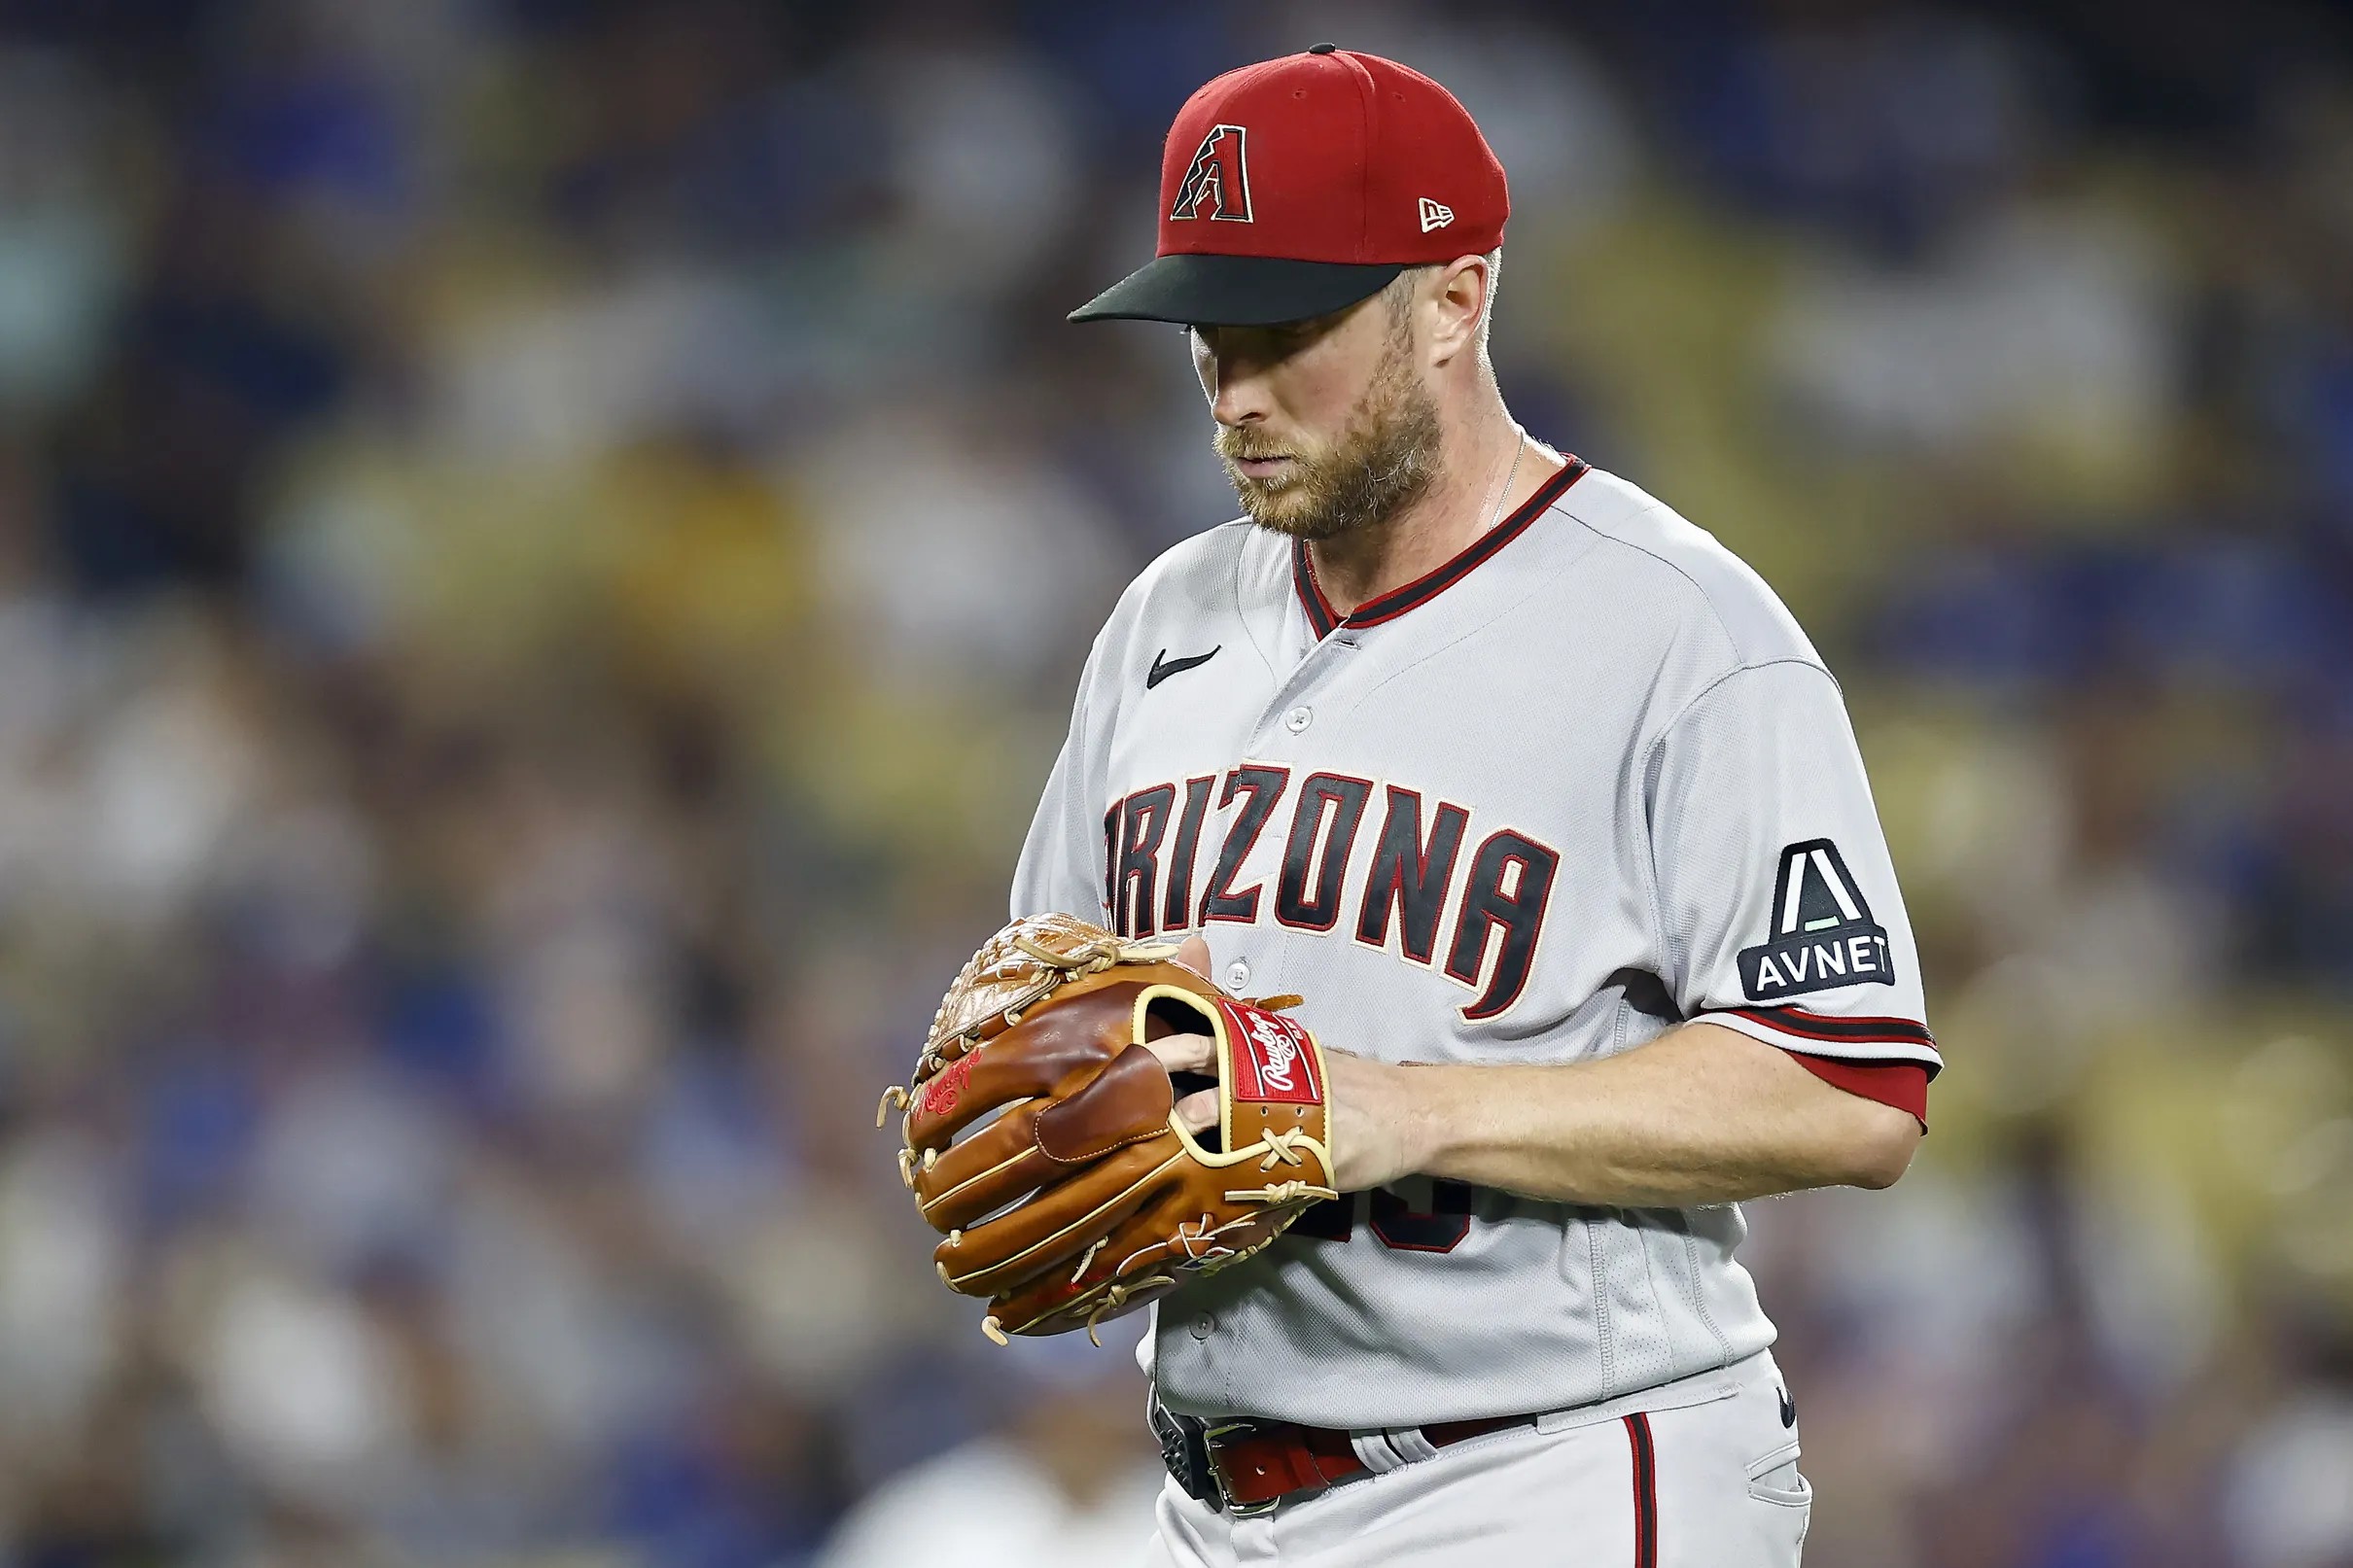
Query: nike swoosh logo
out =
(1164, 667)
(1789, 1408)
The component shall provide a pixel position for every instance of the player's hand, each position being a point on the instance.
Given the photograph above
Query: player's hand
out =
(1371, 1104)
(1191, 1053)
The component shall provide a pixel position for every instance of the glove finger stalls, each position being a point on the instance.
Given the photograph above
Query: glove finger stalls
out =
(1034, 1142)
(1040, 1056)
(1059, 1223)
(1129, 1099)
(1054, 1305)
(984, 1172)
(989, 1188)
(1166, 1242)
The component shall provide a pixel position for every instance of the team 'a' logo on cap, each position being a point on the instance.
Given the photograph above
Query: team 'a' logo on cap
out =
(1219, 178)
(1823, 934)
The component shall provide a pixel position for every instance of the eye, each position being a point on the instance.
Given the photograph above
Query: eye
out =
(1292, 335)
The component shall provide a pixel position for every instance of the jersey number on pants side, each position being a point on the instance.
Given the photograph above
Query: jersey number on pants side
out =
(1394, 1220)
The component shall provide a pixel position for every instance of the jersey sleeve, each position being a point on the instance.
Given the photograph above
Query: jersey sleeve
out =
(1064, 859)
(1778, 902)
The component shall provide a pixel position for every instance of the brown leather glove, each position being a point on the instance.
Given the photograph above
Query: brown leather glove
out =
(1085, 1198)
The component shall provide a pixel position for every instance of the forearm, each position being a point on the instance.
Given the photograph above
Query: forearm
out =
(1701, 1115)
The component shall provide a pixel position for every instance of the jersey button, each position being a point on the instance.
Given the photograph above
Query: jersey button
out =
(1237, 975)
(1202, 1323)
(1298, 719)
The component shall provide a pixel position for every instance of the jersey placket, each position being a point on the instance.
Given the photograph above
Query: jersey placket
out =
(1283, 736)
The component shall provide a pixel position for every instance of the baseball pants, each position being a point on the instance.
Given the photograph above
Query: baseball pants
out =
(1701, 1474)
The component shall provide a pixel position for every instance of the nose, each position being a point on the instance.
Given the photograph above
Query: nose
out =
(1232, 380)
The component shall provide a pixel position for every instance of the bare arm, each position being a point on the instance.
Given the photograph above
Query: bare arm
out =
(1703, 1114)
(1700, 1115)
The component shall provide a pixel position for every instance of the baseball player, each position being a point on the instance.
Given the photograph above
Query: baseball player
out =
(1553, 815)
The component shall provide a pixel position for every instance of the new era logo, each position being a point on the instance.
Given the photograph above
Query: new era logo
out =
(1435, 215)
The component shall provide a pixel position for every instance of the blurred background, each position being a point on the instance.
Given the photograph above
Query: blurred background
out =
(543, 547)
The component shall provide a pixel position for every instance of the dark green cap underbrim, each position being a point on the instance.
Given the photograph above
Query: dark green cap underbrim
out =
(1236, 290)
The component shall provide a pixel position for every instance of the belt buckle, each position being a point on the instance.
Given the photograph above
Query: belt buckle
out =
(1210, 1440)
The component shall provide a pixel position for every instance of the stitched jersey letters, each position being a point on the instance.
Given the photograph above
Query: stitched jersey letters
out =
(1398, 869)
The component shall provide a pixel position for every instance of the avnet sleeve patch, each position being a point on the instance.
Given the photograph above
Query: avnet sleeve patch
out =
(1823, 936)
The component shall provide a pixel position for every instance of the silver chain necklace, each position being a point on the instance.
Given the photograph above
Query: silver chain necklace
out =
(1519, 449)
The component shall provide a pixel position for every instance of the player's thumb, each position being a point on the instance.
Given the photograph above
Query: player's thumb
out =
(1194, 953)
(1198, 1111)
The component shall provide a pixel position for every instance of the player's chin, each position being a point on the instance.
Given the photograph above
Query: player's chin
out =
(1266, 500)
(1282, 505)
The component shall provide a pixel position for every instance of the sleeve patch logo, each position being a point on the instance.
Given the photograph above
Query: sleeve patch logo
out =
(1823, 934)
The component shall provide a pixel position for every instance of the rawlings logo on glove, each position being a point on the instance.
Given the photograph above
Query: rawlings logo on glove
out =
(1273, 1063)
(1041, 1136)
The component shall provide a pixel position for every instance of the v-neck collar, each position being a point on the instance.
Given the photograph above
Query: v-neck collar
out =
(1435, 581)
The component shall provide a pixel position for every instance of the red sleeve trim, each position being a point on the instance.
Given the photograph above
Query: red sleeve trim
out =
(1901, 1084)
(1839, 1027)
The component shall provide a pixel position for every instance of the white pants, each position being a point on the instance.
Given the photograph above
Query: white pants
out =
(1700, 1473)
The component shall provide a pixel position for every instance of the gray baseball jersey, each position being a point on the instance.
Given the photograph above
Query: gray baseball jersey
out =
(1584, 781)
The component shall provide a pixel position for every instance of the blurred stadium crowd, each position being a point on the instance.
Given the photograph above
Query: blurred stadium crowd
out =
(543, 547)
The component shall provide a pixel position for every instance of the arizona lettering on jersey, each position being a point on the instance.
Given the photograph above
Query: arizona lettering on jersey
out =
(1410, 885)
(1584, 781)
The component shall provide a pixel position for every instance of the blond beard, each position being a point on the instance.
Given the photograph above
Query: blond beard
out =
(1385, 459)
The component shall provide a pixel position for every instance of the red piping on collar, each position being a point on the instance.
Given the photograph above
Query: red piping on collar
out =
(1435, 581)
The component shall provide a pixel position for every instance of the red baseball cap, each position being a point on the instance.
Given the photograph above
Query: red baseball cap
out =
(1292, 188)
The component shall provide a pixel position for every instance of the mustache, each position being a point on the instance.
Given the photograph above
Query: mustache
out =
(1237, 448)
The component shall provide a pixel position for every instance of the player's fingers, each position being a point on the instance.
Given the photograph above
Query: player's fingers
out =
(1185, 1053)
(1198, 1112)
(1194, 953)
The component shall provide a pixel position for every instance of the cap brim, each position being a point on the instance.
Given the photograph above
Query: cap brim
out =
(1236, 290)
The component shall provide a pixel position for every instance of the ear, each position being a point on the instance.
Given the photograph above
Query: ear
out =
(1458, 302)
